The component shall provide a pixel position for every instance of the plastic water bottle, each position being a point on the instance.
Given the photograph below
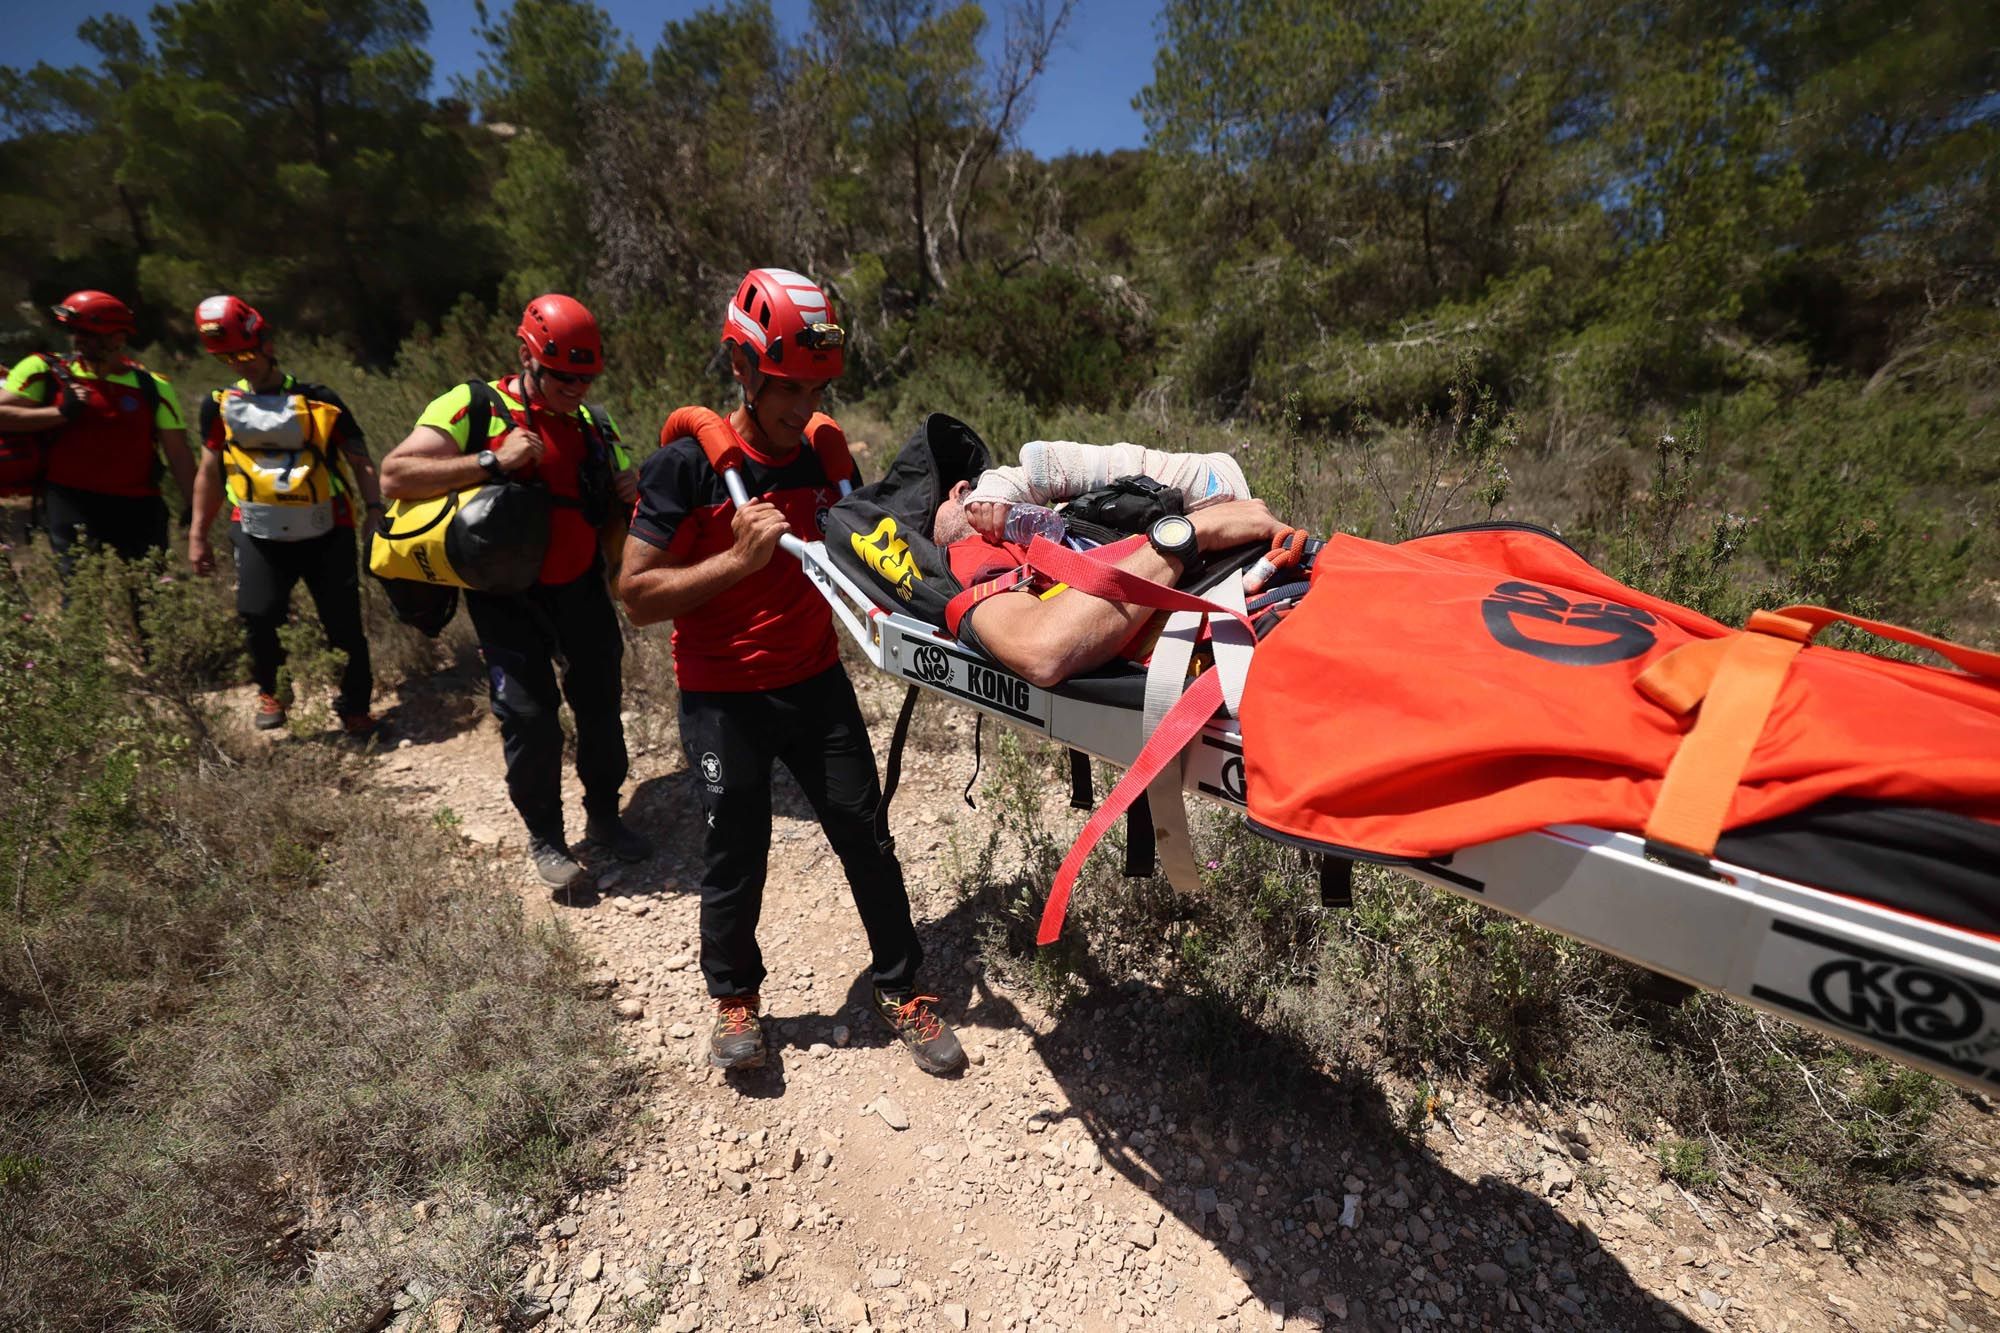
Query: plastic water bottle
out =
(1026, 522)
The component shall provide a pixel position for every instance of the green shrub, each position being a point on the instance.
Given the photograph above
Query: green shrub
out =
(1685, 1162)
(964, 387)
(1053, 335)
(1872, 504)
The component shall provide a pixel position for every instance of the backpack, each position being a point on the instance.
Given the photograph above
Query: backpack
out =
(881, 532)
(284, 469)
(1123, 507)
(24, 455)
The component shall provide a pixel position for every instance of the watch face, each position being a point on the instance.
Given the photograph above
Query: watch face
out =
(1173, 532)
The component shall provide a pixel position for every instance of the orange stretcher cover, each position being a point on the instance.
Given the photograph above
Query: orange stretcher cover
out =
(1481, 683)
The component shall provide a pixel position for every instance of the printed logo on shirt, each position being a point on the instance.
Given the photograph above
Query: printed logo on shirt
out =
(711, 771)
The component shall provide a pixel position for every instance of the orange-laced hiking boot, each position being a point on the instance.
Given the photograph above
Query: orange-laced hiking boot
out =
(270, 712)
(933, 1045)
(737, 1039)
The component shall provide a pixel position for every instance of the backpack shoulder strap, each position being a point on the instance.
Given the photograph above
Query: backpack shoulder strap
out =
(149, 389)
(479, 413)
(593, 432)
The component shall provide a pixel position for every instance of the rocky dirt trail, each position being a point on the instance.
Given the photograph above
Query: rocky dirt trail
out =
(1065, 1182)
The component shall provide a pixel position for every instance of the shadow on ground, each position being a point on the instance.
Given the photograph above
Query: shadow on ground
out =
(1238, 1133)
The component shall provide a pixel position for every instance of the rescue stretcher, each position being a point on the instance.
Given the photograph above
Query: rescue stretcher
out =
(1912, 989)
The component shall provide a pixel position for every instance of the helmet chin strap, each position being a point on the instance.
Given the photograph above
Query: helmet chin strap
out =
(752, 386)
(531, 380)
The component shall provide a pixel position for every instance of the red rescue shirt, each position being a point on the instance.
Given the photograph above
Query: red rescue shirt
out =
(772, 629)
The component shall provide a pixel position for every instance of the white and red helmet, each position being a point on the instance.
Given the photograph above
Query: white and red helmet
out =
(785, 322)
(230, 325)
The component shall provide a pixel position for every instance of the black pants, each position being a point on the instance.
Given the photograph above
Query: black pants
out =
(815, 729)
(521, 638)
(266, 573)
(79, 521)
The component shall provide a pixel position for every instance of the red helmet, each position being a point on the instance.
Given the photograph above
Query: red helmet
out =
(786, 323)
(94, 312)
(561, 335)
(230, 324)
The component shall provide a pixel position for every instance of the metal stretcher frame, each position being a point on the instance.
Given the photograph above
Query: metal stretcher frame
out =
(1908, 988)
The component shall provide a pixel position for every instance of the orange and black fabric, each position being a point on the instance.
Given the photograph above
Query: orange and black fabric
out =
(1481, 683)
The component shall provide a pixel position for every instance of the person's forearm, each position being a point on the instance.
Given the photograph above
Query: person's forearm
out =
(1048, 640)
(1001, 485)
(668, 592)
(365, 478)
(208, 492)
(420, 478)
(1089, 631)
(181, 464)
(29, 418)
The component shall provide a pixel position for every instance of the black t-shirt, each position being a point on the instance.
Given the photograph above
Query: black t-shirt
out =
(771, 630)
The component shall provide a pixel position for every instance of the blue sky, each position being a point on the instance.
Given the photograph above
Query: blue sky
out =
(1084, 101)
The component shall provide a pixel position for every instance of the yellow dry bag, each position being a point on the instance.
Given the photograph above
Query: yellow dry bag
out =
(489, 537)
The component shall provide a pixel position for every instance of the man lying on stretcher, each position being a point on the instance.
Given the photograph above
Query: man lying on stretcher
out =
(1046, 632)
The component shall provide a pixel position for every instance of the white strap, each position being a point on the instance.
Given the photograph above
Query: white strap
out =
(1166, 677)
(1232, 643)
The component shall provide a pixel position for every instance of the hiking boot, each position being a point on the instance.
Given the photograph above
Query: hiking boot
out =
(616, 837)
(553, 863)
(737, 1039)
(932, 1043)
(359, 726)
(270, 713)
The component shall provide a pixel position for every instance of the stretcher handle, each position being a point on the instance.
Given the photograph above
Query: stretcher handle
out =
(732, 481)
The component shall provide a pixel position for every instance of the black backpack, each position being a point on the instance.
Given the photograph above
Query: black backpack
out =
(880, 534)
(1121, 508)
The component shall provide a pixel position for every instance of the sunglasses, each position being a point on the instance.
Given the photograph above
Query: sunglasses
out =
(564, 377)
(237, 358)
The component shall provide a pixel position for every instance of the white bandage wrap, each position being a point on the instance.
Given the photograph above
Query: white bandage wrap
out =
(1052, 471)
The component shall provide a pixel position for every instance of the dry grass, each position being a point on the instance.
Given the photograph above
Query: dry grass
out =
(242, 1000)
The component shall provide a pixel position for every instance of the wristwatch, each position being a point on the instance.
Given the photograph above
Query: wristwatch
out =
(1173, 537)
(491, 462)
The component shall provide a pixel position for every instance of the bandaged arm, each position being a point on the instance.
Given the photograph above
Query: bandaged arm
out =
(1052, 471)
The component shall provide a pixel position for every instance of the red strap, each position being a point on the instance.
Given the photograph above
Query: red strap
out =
(956, 609)
(1094, 574)
(1181, 725)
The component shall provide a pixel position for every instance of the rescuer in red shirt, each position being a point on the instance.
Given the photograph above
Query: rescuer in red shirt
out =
(759, 668)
